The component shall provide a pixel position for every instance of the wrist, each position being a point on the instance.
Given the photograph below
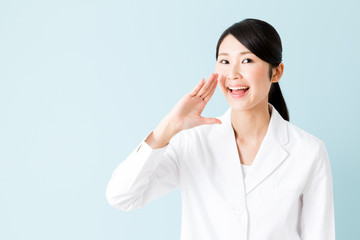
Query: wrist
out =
(162, 134)
(167, 128)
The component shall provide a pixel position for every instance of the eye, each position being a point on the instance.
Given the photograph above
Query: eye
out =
(247, 60)
(222, 61)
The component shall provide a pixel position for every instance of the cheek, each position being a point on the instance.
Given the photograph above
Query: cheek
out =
(260, 84)
(219, 70)
(255, 72)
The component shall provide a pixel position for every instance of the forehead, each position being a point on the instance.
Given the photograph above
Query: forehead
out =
(231, 46)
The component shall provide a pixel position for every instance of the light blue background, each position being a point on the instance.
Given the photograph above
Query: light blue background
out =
(82, 82)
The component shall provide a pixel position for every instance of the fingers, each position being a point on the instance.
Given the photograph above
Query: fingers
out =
(221, 82)
(197, 88)
(206, 88)
(211, 91)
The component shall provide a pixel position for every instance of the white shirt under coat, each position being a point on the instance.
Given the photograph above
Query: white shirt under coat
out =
(286, 195)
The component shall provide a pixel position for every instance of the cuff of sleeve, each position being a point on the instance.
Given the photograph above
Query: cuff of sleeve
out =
(145, 157)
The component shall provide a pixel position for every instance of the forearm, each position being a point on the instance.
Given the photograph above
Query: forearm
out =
(162, 134)
(144, 175)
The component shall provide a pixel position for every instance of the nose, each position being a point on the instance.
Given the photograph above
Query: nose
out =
(234, 72)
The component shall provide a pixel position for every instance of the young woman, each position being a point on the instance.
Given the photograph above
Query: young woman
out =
(246, 175)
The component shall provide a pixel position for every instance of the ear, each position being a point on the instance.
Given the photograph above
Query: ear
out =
(277, 73)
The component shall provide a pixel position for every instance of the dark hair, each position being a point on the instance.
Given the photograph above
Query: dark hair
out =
(262, 40)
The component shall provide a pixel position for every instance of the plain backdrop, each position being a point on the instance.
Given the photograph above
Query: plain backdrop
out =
(83, 82)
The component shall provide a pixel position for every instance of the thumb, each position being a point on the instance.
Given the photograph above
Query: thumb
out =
(210, 121)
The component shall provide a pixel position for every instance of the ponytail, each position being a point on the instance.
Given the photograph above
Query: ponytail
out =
(277, 100)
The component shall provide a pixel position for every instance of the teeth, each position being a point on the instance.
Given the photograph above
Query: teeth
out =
(238, 88)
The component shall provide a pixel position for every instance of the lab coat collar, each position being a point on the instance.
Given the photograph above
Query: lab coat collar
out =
(269, 156)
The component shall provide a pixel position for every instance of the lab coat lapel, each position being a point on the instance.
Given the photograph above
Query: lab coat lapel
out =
(270, 154)
(223, 140)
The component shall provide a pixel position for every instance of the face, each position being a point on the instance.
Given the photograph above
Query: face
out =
(243, 77)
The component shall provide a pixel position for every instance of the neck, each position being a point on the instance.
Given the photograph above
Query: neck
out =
(250, 126)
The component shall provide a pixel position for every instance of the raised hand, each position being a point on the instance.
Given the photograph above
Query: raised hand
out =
(186, 113)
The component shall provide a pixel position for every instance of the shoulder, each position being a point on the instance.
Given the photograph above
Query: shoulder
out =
(191, 137)
(196, 133)
(304, 141)
(298, 134)
(305, 151)
(209, 131)
(295, 140)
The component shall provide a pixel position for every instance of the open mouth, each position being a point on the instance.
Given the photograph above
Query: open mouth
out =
(238, 91)
(235, 89)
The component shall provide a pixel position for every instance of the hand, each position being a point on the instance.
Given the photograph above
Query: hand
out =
(187, 112)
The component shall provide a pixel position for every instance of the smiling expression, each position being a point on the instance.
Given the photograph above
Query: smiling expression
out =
(243, 77)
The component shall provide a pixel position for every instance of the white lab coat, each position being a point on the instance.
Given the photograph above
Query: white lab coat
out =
(287, 194)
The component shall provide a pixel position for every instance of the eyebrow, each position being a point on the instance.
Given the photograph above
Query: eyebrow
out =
(241, 53)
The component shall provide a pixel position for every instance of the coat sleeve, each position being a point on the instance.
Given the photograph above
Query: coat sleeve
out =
(144, 175)
(318, 220)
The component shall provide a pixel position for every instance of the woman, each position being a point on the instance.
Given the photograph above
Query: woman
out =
(248, 174)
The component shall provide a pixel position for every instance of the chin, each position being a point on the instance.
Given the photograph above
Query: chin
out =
(239, 106)
(246, 106)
